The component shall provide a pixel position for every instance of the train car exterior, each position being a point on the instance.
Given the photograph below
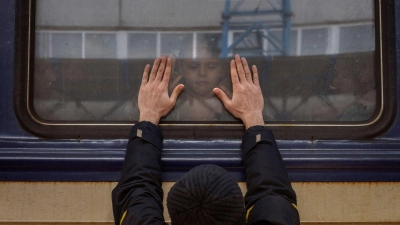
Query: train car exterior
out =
(60, 170)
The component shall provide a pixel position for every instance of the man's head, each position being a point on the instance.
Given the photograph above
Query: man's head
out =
(206, 195)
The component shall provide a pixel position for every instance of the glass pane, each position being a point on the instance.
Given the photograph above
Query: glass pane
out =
(275, 48)
(66, 45)
(173, 43)
(200, 69)
(314, 41)
(251, 45)
(90, 57)
(142, 45)
(357, 39)
(42, 48)
(100, 46)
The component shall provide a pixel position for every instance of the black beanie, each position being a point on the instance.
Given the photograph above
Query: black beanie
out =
(206, 195)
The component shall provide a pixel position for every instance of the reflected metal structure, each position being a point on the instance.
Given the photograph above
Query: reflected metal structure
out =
(267, 15)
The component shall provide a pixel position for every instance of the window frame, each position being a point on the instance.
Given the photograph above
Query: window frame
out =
(25, 46)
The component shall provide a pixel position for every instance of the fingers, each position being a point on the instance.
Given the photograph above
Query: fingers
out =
(246, 70)
(175, 93)
(239, 68)
(145, 77)
(222, 96)
(173, 60)
(234, 75)
(154, 69)
(167, 73)
(256, 80)
(161, 68)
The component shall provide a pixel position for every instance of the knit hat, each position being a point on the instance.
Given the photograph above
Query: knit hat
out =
(206, 195)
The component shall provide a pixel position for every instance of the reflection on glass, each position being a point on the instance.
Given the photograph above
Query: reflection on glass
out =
(314, 41)
(42, 48)
(142, 46)
(66, 45)
(361, 85)
(357, 39)
(200, 73)
(171, 43)
(251, 46)
(101, 46)
(273, 48)
(315, 65)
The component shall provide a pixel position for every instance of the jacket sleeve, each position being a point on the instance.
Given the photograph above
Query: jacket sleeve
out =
(270, 198)
(137, 198)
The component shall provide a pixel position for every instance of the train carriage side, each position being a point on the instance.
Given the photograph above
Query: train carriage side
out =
(69, 79)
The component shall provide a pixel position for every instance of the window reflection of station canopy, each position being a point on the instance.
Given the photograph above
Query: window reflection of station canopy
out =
(256, 20)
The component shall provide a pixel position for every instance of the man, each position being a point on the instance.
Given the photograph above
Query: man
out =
(207, 194)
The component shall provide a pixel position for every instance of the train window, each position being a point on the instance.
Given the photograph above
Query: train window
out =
(320, 61)
(66, 45)
(314, 41)
(142, 45)
(357, 39)
(171, 43)
(273, 48)
(98, 45)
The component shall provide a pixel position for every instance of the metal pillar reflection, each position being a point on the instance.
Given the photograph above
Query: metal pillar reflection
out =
(258, 21)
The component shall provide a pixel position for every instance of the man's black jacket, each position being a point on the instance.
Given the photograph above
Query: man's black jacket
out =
(137, 199)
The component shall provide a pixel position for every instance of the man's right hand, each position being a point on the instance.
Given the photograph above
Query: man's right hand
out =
(154, 101)
(247, 100)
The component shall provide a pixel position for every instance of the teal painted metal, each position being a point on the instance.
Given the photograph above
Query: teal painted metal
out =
(261, 27)
(225, 29)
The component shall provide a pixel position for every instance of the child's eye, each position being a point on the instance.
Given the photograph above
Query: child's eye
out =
(192, 65)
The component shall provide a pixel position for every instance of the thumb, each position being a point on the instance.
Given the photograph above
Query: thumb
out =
(175, 93)
(221, 95)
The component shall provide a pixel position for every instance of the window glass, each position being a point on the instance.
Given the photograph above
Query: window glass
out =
(251, 45)
(316, 58)
(66, 45)
(174, 43)
(142, 45)
(275, 48)
(42, 47)
(357, 39)
(100, 46)
(214, 39)
(314, 41)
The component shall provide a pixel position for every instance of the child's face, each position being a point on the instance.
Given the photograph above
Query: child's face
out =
(201, 75)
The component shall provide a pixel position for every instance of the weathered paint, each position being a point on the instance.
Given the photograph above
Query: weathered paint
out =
(84, 202)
